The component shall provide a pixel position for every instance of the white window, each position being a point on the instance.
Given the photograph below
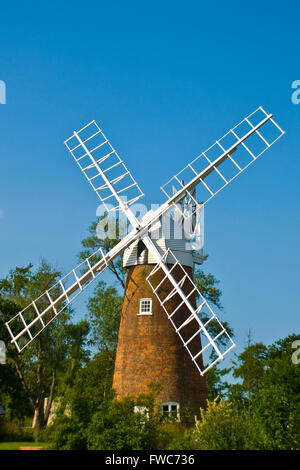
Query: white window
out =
(170, 409)
(145, 307)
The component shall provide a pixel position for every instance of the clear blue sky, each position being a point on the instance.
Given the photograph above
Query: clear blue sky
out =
(164, 80)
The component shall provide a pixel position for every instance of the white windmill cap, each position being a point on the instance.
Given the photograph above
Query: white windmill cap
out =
(165, 234)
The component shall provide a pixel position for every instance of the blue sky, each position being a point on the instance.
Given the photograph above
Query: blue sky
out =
(164, 80)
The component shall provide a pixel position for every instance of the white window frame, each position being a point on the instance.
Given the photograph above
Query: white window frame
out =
(170, 412)
(143, 312)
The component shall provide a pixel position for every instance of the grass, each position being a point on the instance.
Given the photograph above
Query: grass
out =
(17, 445)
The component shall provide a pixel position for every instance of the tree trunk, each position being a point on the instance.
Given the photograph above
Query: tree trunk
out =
(40, 403)
(40, 422)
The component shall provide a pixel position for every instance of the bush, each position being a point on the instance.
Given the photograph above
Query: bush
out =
(175, 436)
(221, 427)
(279, 416)
(65, 433)
(116, 426)
(13, 430)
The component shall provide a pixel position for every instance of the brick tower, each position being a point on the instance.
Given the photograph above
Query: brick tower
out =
(149, 350)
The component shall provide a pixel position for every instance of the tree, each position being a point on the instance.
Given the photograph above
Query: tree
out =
(269, 391)
(43, 360)
(106, 241)
(249, 369)
(277, 401)
(206, 283)
(104, 314)
(92, 386)
(216, 385)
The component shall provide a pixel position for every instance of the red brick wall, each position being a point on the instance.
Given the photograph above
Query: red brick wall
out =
(150, 351)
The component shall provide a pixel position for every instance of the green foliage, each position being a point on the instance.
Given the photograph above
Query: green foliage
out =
(115, 426)
(249, 368)
(42, 368)
(263, 413)
(176, 436)
(91, 386)
(14, 398)
(216, 385)
(66, 433)
(277, 401)
(107, 425)
(14, 430)
(106, 240)
(261, 410)
(105, 307)
(269, 390)
(16, 283)
(206, 283)
(221, 427)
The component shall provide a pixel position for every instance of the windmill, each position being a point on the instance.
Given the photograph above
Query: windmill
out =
(185, 314)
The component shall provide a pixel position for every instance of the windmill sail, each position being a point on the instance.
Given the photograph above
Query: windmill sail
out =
(198, 327)
(226, 159)
(103, 168)
(32, 320)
